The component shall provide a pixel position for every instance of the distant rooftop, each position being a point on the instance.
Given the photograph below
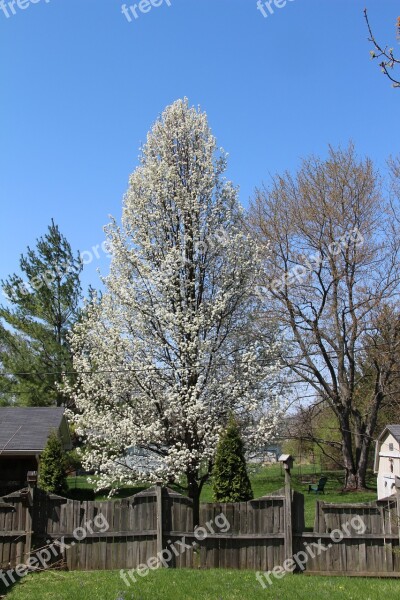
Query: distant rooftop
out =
(27, 428)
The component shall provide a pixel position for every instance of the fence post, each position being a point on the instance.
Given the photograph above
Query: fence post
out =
(29, 500)
(287, 461)
(397, 487)
(159, 500)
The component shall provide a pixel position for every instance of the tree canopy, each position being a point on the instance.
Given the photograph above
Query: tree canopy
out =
(331, 266)
(172, 348)
(42, 304)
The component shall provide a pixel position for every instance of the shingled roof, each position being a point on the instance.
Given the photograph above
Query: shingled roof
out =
(28, 429)
(395, 431)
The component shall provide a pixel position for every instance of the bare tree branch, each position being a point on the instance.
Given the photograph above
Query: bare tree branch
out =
(385, 54)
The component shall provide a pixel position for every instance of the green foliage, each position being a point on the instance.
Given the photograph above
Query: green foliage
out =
(73, 461)
(43, 304)
(231, 482)
(52, 477)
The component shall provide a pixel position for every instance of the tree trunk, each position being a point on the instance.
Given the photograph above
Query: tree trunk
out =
(362, 463)
(194, 494)
(355, 480)
(355, 459)
(349, 464)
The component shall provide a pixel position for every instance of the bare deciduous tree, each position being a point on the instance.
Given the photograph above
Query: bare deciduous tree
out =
(332, 265)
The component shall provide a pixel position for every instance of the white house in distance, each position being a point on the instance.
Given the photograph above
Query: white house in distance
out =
(387, 460)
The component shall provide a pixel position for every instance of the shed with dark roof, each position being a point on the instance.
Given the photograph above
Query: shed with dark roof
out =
(24, 432)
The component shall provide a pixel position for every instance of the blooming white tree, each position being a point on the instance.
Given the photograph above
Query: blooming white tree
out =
(171, 348)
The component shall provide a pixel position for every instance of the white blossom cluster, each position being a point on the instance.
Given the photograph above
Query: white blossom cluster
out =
(171, 349)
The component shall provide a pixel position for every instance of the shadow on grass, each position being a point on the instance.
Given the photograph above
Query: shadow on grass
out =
(6, 589)
(80, 489)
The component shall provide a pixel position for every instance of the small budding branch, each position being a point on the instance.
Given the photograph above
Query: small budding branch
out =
(388, 60)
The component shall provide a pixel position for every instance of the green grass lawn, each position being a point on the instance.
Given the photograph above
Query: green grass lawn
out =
(213, 584)
(264, 479)
(198, 585)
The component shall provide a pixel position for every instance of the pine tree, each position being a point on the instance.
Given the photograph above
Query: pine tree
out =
(43, 303)
(231, 482)
(52, 477)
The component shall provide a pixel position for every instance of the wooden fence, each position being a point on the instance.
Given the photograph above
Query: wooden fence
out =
(243, 535)
(259, 535)
(362, 539)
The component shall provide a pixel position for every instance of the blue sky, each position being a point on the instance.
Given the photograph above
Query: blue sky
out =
(81, 86)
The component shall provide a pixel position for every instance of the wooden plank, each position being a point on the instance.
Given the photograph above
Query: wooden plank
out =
(250, 529)
(159, 497)
(106, 534)
(288, 517)
(109, 536)
(8, 526)
(362, 555)
(117, 533)
(24, 542)
(242, 531)
(366, 536)
(195, 559)
(102, 540)
(352, 574)
(298, 512)
(13, 533)
(69, 527)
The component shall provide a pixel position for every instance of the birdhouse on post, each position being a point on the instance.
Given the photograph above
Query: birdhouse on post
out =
(32, 478)
(287, 460)
(27, 493)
